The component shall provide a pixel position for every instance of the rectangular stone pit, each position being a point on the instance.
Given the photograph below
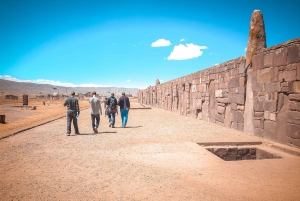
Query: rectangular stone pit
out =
(245, 153)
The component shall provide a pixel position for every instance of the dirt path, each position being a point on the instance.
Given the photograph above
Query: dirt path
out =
(155, 158)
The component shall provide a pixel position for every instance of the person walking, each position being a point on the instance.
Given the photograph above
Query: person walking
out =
(72, 113)
(112, 110)
(124, 104)
(95, 111)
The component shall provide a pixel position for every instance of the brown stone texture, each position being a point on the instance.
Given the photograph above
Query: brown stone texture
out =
(293, 54)
(219, 95)
(269, 130)
(257, 36)
(280, 57)
(293, 131)
(287, 75)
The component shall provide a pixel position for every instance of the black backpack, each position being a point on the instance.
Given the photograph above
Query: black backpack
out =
(113, 103)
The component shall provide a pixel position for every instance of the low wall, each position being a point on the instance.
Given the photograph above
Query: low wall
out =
(263, 99)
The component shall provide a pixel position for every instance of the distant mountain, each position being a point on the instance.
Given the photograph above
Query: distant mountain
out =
(32, 88)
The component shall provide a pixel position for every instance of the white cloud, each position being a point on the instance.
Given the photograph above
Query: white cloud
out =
(55, 83)
(161, 43)
(188, 51)
(181, 40)
(128, 80)
(246, 49)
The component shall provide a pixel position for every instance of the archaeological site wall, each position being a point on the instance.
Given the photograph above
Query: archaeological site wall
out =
(260, 95)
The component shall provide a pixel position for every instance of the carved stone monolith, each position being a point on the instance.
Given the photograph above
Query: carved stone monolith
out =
(257, 36)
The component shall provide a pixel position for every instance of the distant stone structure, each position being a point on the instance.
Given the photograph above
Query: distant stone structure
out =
(258, 93)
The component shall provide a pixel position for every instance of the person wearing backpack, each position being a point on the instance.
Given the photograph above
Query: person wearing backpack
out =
(112, 110)
(124, 104)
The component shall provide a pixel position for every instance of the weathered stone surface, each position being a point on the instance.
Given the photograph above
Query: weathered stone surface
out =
(218, 93)
(294, 97)
(240, 107)
(272, 87)
(280, 57)
(237, 116)
(258, 114)
(293, 117)
(227, 120)
(270, 106)
(219, 117)
(287, 75)
(296, 87)
(258, 123)
(233, 82)
(258, 106)
(222, 100)
(258, 62)
(268, 60)
(281, 119)
(274, 74)
(257, 36)
(293, 131)
(221, 109)
(238, 98)
(296, 142)
(298, 71)
(264, 75)
(293, 54)
(257, 87)
(273, 116)
(258, 132)
(269, 130)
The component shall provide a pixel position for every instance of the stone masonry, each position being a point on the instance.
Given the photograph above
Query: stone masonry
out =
(262, 98)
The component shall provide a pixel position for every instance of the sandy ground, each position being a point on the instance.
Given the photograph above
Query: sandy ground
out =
(155, 158)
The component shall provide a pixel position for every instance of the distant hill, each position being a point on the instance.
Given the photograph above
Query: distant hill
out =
(32, 88)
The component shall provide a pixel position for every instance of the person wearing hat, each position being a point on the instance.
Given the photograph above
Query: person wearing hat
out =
(124, 104)
(95, 111)
(72, 113)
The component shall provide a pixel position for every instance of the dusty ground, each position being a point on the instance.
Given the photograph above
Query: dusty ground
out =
(155, 158)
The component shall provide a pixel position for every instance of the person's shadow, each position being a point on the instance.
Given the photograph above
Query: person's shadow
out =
(95, 133)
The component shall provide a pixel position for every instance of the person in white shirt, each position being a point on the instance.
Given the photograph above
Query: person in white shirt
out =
(95, 111)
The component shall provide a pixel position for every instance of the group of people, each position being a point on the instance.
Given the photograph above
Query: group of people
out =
(110, 106)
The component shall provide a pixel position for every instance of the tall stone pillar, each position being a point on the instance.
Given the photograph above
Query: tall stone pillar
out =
(256, 45)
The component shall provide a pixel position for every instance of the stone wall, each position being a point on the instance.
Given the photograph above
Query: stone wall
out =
(263, 99)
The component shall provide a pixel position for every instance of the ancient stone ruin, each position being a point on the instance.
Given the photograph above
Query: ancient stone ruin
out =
(258, 93)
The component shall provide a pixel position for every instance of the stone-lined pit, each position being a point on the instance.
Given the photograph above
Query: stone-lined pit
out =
(235, 154)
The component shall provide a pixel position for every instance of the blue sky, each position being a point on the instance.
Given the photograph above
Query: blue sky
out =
(130, 43)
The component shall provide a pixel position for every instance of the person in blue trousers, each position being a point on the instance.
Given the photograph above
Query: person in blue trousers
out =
(124, 105)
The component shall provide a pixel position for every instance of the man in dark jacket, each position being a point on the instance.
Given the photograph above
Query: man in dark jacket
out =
(73, 110)
(112, 110)
(124, 104)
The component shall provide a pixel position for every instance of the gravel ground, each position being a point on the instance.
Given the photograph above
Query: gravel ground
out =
(155, 158)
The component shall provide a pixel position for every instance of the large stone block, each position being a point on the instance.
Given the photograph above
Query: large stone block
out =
(237, 116)
(227, 120)
(258, 123)
(293, 54)
(233, 82)
(221, 109)
(259, 115)
(293, 117)
(219, 117)
(264, 75)
(280, 56)
(274, 74)
(293, 131)
(287, 75)
(258, 106)
(272, 87)
(296, 142)
(298, 71)
(270, 106)
(296, 87)
(239, 98)
(258, 62)
(294, 97)
(269, 130)
(268, 60)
